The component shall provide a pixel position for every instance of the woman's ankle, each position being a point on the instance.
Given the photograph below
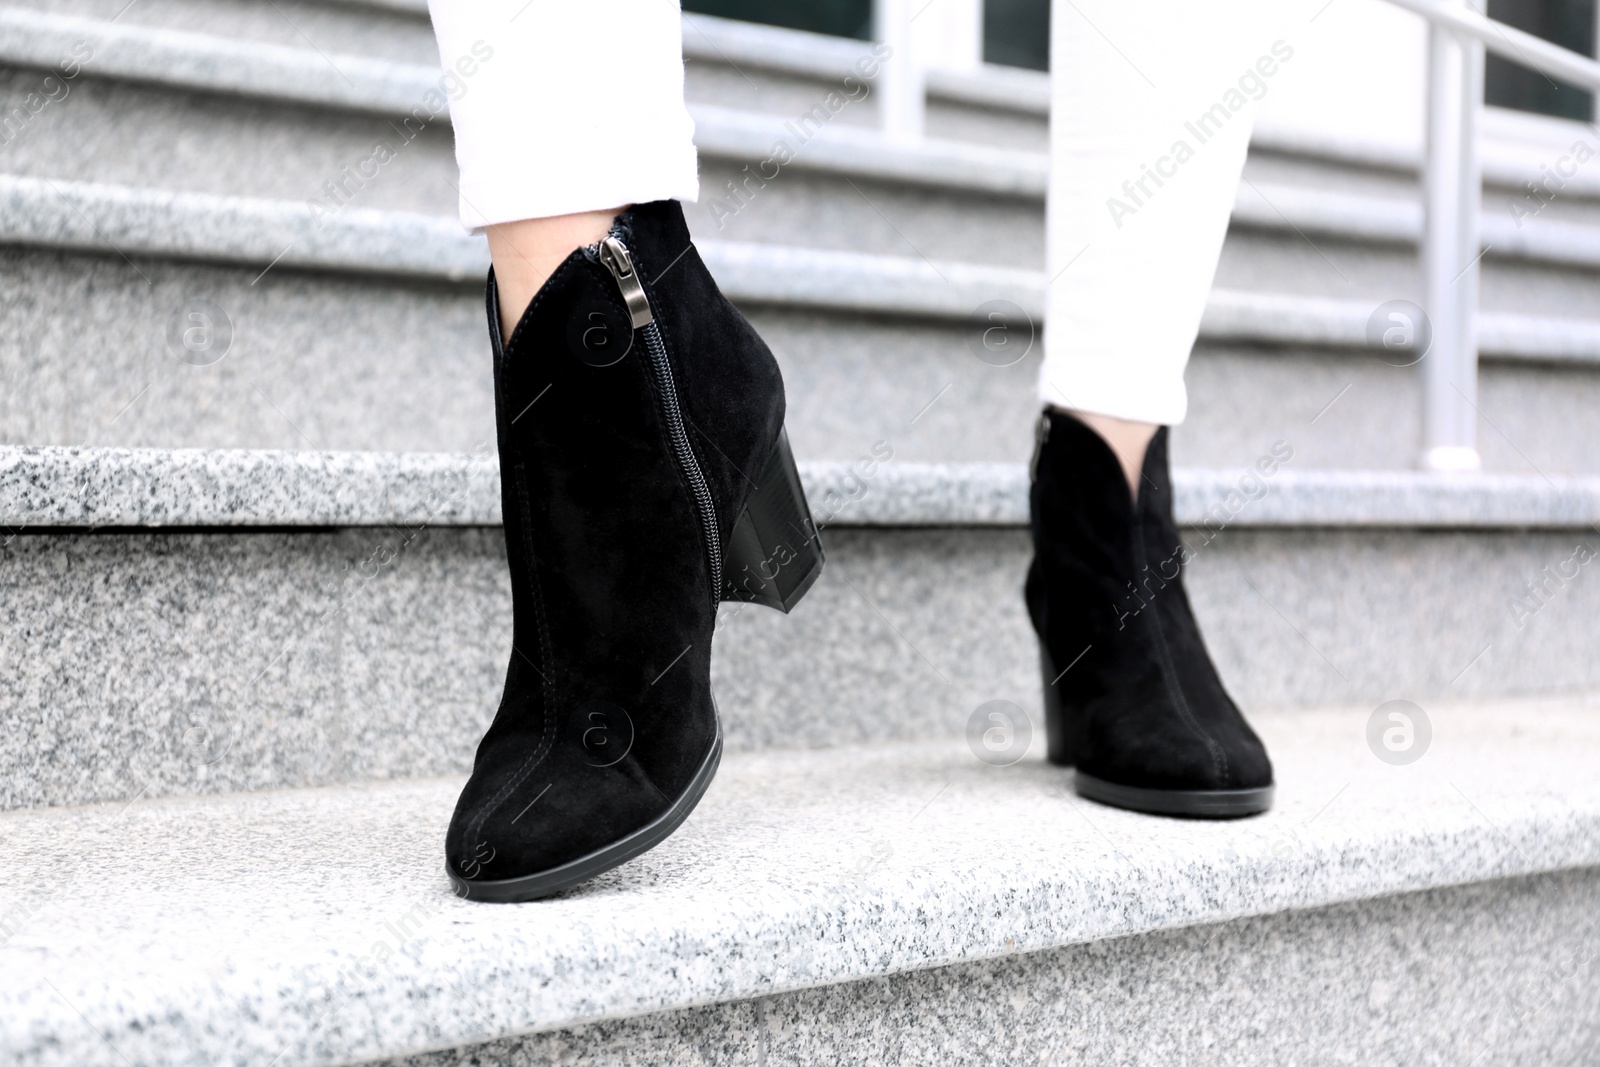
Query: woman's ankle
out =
(526, 252)
(1126, 438)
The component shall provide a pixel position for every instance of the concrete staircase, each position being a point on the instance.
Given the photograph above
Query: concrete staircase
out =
(253, 610)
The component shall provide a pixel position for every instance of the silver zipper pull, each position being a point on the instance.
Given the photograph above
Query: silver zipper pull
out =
(614, 254)
(1041, 434)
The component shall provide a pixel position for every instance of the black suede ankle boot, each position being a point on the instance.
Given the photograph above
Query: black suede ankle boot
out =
(645, 476)
(1130, 694)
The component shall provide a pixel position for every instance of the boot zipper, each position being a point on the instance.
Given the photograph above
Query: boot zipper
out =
(614, 254)
(1041, 434)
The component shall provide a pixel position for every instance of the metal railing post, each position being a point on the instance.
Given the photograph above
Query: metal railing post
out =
(901, 86)
(1452, 199)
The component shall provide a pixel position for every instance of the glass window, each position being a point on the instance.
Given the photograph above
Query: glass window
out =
(842, 18)
(1568, 23)
(1017, 33)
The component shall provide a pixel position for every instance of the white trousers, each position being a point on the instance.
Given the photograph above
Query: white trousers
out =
(579, 106)
(1150, 115)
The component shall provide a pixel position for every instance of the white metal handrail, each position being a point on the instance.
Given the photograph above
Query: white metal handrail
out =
(1508, 42)
(1459, 34)
(1452, 248)
(903, 89)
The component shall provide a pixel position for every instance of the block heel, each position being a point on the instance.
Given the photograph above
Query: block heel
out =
(774, 555)
(1061, 743)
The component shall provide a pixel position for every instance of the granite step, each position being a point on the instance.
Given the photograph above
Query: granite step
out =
(765, 60)
(779, 70)
(293, 119)
(918, 900)
(732, 60)
(365, 333)
(302, 372)
(197, 622)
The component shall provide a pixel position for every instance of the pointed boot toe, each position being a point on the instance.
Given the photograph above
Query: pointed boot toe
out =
(634, 407)
(1132, 698)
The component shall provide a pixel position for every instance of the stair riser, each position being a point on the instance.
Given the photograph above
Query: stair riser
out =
(981, 125)
(208, 662)
(1487, 971)
(356, 29)
(1316, 264)
(787, 95)
(226, 145)
(215, 143)
(855, 214)
(752, 88)
(1535, 418)
(338, 362)
(314, 362)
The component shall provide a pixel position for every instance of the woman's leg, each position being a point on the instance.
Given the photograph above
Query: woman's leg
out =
(1149, 126)
(644, 472)
(526, 252)
(564, 115)
(1150, 119)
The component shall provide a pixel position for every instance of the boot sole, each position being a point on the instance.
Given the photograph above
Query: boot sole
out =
(1184, 803)
(575, 872)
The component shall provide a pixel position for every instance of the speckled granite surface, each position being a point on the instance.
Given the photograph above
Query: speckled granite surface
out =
(337, 362)
(215, 63)
(231, 229)
(995, 493)
(1385, 499)
(170, 663)
(195, 663)
(1268, 317)
(234, 229)
(138, 220)
(246, 662)
(90, 487)
(378, 29)
(294, 74)
(1487, 973)
(316, 926)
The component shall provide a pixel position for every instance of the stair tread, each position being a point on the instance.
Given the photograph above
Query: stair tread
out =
(70, 487)
(247, 926)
